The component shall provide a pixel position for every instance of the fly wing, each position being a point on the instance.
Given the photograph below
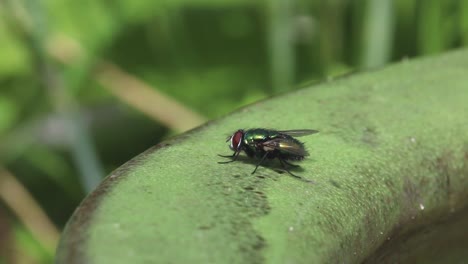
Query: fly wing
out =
(298, 132)
(286, 145)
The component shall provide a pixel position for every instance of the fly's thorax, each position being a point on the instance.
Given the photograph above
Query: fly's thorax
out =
(257, 135)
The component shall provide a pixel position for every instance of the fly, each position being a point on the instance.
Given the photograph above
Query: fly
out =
(269, 144)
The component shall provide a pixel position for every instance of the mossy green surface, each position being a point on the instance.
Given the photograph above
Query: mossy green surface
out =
(391, 157)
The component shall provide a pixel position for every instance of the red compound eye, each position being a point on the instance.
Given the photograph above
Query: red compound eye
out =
(236, 140)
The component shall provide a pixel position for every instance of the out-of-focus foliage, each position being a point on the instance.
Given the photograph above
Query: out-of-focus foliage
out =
(62, 129)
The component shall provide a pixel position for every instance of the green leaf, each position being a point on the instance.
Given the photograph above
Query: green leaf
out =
(389, 166)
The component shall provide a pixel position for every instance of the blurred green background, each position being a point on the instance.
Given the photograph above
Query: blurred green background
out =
(87, 85)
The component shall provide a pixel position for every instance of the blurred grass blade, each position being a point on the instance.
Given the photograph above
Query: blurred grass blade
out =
(84, 152)
(430, 37)
(28, 211)
(80, 143)
(377, 27)
(464, 21)
(146, 99)
(130, 89)
(281, 49)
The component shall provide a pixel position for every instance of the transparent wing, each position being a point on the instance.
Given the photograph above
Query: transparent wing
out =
(285, 145)
(298, 132)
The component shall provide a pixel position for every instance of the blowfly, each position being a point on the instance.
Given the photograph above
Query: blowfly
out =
(264, 144)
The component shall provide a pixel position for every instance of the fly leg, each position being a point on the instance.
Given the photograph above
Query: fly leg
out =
(233, 156)
(290, 164)
(283, 164)
(261, 161)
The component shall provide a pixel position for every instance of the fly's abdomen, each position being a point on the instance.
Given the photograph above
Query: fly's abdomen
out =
(291, 149)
